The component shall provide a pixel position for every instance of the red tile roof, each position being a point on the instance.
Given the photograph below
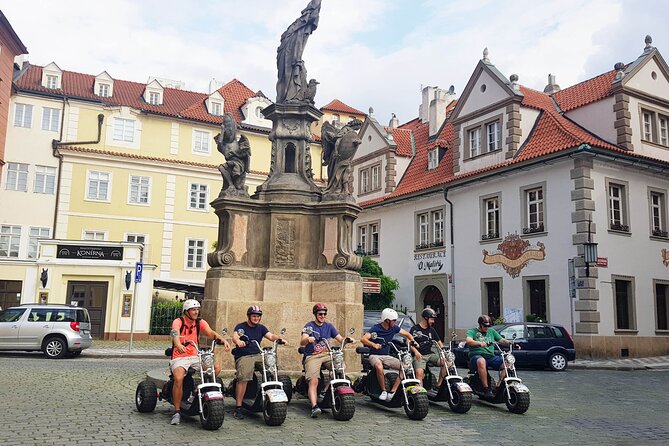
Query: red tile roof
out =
(176, 103)
(586, 92)
(402, 138)
(338, 106)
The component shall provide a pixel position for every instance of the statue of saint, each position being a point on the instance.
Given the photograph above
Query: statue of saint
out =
(237, 153)
(339, 147)
(292, 80)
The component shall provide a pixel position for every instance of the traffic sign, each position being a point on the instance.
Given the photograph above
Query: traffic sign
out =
(139, 267)
(371, 285)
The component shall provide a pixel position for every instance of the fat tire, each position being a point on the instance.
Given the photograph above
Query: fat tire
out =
(417, 407)
(274, 413)
(343, 407)
(557, 362)
(213, 414)
(146, 396)
(461, 402)
(287, 386)
(517, 402)
(54, 347)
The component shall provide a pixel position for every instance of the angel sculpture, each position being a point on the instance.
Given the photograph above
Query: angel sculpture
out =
(339, 147)
(237, 153)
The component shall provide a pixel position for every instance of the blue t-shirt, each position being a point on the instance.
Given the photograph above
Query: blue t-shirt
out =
(326, 331)
(255, 334)
(386, 335)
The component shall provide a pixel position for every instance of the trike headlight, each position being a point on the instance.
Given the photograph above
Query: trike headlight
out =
(338, 360)
(450, 358)
(407, 360)
(270, 361)
(510, 359)
(207, 361)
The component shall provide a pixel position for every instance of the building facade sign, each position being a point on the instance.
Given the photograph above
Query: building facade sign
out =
(430, 262)
(89, 252)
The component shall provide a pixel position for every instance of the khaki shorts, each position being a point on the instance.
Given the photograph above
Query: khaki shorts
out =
(185, 363)
(389, 362)
(246, 365)
(432, 359)
(313, 364)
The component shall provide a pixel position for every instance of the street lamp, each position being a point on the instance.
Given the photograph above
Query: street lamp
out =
(589, 251)
(359, 251)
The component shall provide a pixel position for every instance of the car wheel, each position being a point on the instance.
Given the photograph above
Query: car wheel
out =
(557, 362)
(54, 348)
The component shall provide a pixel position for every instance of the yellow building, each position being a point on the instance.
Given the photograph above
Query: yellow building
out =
(129, 163)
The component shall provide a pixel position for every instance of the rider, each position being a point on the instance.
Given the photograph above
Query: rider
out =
(246, 352)
(426, 353)
(184, 333)
(482, 351)
(379, 354)
(316, 353)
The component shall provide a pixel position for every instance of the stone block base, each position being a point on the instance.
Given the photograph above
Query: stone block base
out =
(614, 346)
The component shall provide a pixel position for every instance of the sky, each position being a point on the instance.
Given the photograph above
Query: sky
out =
(366, 53)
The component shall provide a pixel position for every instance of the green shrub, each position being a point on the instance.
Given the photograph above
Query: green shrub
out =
(162, 315)
(371, 268)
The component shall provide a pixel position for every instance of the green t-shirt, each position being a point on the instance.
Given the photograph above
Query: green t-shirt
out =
(488, 337)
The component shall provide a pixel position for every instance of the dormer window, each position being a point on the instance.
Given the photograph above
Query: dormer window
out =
(433, 158)
(103, 90)
(216, 108)
(104, 85)
(258, 113)
(215, 104)
(51, 82)
(154, 98)
(252, 112)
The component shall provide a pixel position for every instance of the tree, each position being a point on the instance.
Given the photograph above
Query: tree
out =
(370, 268)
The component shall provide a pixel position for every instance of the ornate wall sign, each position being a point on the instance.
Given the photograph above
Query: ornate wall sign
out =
(514, 254)
(665, 257)
(284, 249)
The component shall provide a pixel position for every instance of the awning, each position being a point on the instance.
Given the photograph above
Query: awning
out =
(177, 285)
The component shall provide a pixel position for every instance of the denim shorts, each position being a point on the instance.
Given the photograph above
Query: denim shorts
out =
(494, 362)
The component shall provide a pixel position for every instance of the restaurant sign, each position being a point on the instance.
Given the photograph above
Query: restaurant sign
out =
(88, 252)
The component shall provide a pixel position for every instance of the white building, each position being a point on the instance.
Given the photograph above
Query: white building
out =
(515, 175)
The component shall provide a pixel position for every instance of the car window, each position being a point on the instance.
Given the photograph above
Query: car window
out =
(64, 315)
(559, 332)
(509, 331)
(82, 316)
(539, 332)
(11, 315)
(39, 315)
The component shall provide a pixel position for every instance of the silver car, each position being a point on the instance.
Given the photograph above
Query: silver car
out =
(57, 330)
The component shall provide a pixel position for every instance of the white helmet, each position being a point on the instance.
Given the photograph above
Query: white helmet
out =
(191, 303)
(388, 313)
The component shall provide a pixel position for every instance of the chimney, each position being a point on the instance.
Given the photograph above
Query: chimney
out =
(213, 85)
(437, 111)
(552, 86)
(424, 109)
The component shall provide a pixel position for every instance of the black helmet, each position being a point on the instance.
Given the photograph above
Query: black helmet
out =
(429, 312)
(319, 307)
(254, 309)
(485, 320)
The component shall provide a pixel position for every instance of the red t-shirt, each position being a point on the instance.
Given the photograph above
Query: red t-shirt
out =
(188, 333)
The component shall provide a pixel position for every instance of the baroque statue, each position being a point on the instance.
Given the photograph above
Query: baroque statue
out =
(237, 153)
(339, 147)
(292, 83)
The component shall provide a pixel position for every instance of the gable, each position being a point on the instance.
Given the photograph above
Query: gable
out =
(485, 90)
(651, 78)
(372, 140)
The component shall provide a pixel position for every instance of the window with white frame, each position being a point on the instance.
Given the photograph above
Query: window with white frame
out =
(617, 203)
(45, 180)
(198, 196)
(23, 115)
(154, 98)
(433, 158)
(423, 231)
(17, 177)
(474, 142)
(664, 136)
(195, 254)
(376, 177)
(438, 228)
(493, 136)
(103, 90)
(374, 239)
(362, 238)
(139, 189)
(98, 185)
(94, 235)
(368, 239)
(655, 127)
(201, 141)
(534, 210)
(364, 181)
(491, 217)
(50, 119)
(10, 240)
(135, 238)
(647, 125)
(124, 130)
(216, 108)
(35, 235)
(336, 120)
(430, 229)
(658, 214)
(51, 81)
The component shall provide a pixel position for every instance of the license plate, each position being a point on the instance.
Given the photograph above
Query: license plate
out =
(416, 389)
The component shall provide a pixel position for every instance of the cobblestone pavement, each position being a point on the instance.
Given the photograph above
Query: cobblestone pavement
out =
(91, 401)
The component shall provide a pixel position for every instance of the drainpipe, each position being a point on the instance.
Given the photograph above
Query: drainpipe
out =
(56, 144)
(450, 205)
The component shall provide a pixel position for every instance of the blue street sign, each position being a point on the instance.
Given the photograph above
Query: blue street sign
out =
(138, 272)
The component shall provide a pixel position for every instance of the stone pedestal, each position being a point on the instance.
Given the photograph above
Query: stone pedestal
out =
(286, 247)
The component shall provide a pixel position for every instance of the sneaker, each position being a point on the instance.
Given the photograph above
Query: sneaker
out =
(488, 393)
(176, 418)
(238, 413)
(390, 396)
(315, 412)
(383, 396)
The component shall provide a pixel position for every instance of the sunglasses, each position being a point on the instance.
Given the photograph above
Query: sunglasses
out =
(321, 314)
(486, 325)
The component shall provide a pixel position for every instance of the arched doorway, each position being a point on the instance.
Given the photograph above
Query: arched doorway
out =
(435, 300)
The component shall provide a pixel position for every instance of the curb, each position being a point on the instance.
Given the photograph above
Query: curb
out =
(122, 354)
